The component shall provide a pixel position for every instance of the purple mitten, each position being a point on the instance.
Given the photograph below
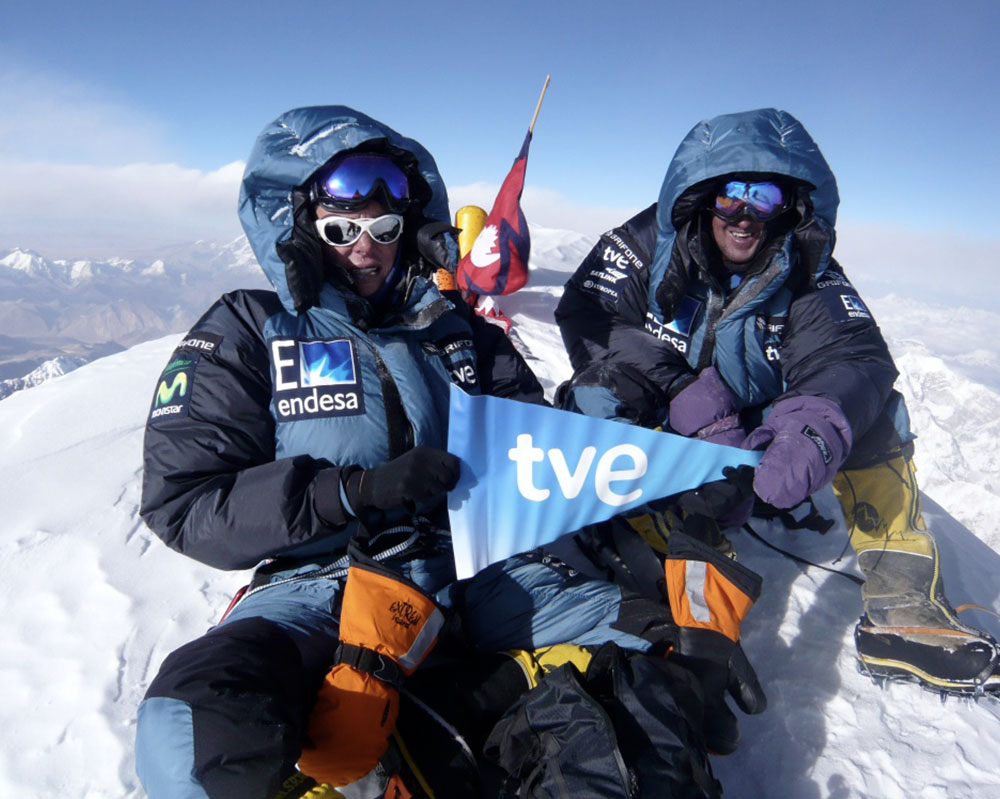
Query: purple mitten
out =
(706, 409)
(805, 440)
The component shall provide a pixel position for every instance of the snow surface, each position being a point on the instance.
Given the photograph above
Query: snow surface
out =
(93, 602)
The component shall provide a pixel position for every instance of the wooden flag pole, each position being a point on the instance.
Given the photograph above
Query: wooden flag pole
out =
(538, 107)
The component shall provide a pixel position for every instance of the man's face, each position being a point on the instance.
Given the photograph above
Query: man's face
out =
(738, 241)
(366, 262)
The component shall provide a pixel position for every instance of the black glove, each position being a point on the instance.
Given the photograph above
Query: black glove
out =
(414, 477)
(436, 242)
(712, 651)
(302, 255)
(719, 498)
(721, 672)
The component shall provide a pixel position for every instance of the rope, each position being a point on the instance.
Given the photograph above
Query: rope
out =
(852, 577)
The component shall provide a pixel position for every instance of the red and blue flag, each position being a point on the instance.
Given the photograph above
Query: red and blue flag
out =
(497, 262)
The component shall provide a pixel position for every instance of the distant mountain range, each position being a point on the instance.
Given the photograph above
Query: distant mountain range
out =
(87, 309)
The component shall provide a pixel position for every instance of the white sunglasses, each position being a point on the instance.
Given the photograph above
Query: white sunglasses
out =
(341, 231)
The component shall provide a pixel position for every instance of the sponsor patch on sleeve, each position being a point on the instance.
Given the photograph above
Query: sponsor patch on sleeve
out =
(841, 299)
(457, 354)
(617, 260)
(200, 341)
(173, 389)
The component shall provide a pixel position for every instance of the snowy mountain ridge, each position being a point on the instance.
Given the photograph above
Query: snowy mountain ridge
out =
(55, 367)
(199, 256)
(84, 308)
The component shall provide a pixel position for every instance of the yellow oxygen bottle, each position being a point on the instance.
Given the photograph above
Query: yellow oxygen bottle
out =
(470, 220)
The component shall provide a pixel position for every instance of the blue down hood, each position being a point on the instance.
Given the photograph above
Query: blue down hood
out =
(289, 151)
(763, 140)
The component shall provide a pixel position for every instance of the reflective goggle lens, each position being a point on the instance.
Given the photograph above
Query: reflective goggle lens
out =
(356, 178)
(339, 231)
(762, 201)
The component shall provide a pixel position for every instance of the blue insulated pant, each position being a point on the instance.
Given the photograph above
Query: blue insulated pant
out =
(224, 717)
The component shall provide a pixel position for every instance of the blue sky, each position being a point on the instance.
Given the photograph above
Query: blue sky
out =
(121, 127)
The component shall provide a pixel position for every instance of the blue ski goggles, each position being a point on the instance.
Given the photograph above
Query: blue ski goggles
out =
(359, 178)
(760, 201)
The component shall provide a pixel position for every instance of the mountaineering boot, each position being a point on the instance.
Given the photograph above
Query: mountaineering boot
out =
(950, 661)
(909, 630)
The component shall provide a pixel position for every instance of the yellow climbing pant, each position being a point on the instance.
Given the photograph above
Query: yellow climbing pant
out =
(896, 551)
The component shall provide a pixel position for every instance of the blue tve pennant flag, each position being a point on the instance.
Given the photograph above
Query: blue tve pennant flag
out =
(531, 474)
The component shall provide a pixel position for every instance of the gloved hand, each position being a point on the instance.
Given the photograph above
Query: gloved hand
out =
(805, 441)
(302, 254)
(702, 581)
(406, 481)
(706, 409)
(727, 671)
(728, 501)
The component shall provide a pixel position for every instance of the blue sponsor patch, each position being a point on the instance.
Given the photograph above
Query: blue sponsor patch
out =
(327, 363)
(841, 299)
(173, 389)
(315, 379)
(683, 319)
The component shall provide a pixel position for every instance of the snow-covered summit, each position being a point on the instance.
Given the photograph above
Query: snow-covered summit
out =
(93, 602)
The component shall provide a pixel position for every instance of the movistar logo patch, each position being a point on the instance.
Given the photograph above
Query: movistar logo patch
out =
(173, 391)
(165, 393)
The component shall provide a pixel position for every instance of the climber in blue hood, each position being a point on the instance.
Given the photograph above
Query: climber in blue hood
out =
(720, 313)
(302, 432)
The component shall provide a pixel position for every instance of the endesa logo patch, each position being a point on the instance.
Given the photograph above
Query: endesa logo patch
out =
(173, 391)
(315, 379)
(842, 299)
(676, 331)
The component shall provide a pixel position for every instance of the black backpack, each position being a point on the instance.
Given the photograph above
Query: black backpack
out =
(631, 727)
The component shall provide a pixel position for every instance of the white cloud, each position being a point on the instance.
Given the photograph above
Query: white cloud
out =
(67, 211)
(937, 266)
(83, 174)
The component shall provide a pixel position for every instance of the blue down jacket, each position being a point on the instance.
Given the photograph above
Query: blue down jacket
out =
(261, 405)
(649, 298)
